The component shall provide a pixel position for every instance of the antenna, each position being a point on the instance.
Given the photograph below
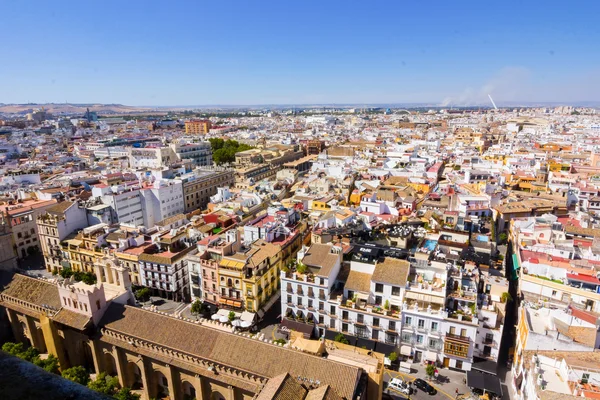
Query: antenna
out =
(492, 100)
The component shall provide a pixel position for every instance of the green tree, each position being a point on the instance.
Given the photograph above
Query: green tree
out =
(142, 294)
(505, 297)
(340, 338)
(430, 370)
(196, 307)
(77, 374)
(393, 356)
(50, 364)
(301, 268)
(216, 143)
(104, 384)
(12, 348)
(66, 273)
(126, 394)
(502, 238)
(386, 305)
(231, 316)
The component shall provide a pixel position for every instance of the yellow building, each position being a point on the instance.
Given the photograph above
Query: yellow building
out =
(248, 280)
(198, 126)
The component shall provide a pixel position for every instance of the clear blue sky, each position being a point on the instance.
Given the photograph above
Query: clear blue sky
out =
(292, 52)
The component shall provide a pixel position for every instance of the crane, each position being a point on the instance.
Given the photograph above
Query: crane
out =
(492, 100)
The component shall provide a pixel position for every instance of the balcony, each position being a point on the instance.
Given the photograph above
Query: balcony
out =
(460, 338)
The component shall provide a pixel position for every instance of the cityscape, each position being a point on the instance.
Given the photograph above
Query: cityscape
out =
(344, 209)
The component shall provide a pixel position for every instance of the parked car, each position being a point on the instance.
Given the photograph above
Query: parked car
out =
(424, 386)
(399, 385)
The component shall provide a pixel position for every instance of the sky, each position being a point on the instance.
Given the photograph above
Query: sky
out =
(174, 53)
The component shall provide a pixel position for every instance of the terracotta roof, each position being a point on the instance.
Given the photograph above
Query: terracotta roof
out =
(225, 348)
(392, 271)
(32, 290)
(60, 208)
(320, 255)
(358, 281)
(576, 230)
(322, 393)
(282, 387)
(72, 319)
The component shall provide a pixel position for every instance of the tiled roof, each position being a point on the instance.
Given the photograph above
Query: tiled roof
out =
(358, 281)
(392, 271)
(72, 319)
(225, 348)
(282, 387)
(60, 208)
(32, 290)
(319, 255)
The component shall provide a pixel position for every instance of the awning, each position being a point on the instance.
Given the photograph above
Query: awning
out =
(487, 366)
(405, 350)
(427, 298)
(430, 356)
(481, 381)
(396, 302)
(247, 316)
(75, 242)
(223, 312)
(305, 329)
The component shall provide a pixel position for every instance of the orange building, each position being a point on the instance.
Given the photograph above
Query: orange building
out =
(198, 126)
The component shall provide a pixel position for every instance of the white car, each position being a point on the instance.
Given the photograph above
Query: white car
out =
(399, 385)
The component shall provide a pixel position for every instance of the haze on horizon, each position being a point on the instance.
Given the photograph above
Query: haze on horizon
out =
(240, 53)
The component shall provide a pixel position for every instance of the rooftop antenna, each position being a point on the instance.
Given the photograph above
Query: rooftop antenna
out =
(492, 100)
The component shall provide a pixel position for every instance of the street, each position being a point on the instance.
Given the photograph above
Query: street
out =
(445, 386)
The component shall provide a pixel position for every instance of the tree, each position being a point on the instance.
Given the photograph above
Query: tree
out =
(457, 167)
(50, 364)
(77, 374)
(142, 294)
(393, 356)
(503, 237)
(430, 370)
(386, 305)
(231, 316)
(66, 273)
(301, 268)
(505, 297)
(126, 394)
(340, 338)
(104, 384)
(12, 348)
(196, 307)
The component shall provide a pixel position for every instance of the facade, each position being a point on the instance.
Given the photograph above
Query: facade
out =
(55, 225)
(125, 202)
(151, 157)
(21, 218)
(197, 127)
(161, 200)
(199, 152)
(200, 184)
(163, 267)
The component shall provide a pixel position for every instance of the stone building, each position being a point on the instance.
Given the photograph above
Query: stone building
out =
(160, 355)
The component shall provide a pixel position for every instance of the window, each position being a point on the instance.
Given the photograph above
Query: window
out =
(395, 291)
(344, 327)
(420, 339)
(392, 326)
(98, 304)
(458, 364)
(421, 323)
(379, 288)
(463, 332)
(434, 326)
(321, 319)
(585, 377)
(375, 321)
(406, 337)
(360, 319)
(408, 321)
(344, 314)
(553, 293)
(378, 300)
(332, 310)
(289, 299)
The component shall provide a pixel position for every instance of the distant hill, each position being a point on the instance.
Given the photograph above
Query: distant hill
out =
(74, 109)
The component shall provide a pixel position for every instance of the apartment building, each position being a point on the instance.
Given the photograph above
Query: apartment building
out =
(21, 217)
(151, 157)
(197, 127)
(58, 222)
(200, 153)
(428, 309)
(163, 267)
(199, 185)
(555, 262)
(160, 200)
(125, 202)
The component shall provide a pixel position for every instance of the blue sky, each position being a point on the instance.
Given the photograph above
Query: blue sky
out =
(283, 52)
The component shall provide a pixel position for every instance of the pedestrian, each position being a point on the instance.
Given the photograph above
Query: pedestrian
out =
(456, 391)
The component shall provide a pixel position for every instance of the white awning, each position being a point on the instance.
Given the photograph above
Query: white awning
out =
(247, 316)
(430, 356)
(396, 302)
(405, 350)
(223, 312)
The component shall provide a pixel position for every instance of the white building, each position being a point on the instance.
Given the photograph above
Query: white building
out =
(163, 199)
